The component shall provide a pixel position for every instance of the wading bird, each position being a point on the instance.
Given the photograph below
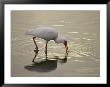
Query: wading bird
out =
(46, 33)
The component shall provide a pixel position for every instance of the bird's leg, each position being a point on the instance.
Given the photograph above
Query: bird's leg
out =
(36, 49)
(34, 57)
(36, 53)
(66, 54)
(35, 44)
(46, 49)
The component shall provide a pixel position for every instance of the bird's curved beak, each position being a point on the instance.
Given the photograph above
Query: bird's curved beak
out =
(66, 46)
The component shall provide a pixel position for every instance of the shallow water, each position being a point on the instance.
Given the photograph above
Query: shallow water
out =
(82, 28)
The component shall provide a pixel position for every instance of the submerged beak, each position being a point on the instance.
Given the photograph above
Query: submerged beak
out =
(66, 46)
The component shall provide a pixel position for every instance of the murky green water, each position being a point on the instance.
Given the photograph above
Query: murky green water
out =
(82, 28)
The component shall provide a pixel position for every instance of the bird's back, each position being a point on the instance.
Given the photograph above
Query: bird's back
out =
(46, 33)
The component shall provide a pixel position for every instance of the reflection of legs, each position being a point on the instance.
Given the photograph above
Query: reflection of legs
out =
(46, 49)
(36, 49)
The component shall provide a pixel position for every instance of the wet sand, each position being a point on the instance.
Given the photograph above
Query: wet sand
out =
(82, 28)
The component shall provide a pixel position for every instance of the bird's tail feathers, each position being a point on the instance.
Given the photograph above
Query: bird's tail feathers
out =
(28, 33)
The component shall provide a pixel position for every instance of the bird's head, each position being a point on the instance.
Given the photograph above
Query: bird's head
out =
(62, 40)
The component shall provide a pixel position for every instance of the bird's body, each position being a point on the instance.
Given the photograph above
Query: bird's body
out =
(46, 33)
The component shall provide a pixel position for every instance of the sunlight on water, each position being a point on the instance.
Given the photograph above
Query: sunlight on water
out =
(77, 38)
(85, 33)
(73, 32)
(57, 25)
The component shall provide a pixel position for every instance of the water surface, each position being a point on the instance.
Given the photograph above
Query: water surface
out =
(82, 28)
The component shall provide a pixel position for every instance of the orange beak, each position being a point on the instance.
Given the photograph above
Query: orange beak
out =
(66, 46)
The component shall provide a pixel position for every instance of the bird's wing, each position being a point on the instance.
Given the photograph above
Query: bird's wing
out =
(46, 33)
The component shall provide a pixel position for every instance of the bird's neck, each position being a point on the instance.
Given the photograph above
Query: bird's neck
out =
(58, 40)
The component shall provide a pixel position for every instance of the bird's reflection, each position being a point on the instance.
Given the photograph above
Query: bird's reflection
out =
(46, 65)
(42, 66)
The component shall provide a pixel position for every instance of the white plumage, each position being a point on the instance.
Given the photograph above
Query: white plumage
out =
(47, 33)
